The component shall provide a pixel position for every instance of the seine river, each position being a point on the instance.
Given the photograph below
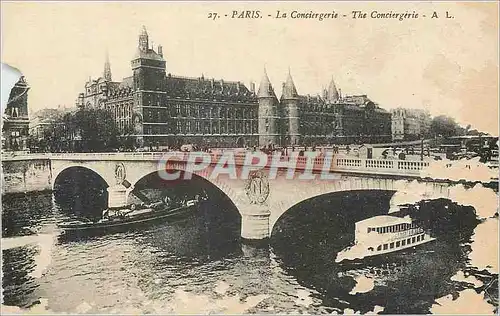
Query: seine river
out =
(198, 264)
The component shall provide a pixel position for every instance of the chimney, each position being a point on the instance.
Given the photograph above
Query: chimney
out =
(252, 87)
(160, 50)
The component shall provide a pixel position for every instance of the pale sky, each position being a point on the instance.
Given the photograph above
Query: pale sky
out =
(449, 66)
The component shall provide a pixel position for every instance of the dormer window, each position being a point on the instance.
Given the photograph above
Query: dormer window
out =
(15, 112)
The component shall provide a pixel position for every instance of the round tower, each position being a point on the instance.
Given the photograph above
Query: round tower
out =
(290, 105)
(268, 113)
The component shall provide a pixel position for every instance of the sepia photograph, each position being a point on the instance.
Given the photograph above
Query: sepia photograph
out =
(170, 157)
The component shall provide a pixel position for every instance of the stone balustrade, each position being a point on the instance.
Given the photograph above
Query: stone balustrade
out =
(321, 163)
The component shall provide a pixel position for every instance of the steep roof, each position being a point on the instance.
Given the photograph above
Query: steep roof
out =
(202, 88)
(148, 54)
(333, 94)
(311, 99)
(143, 50)
(265, 88)
(127, 82)
(144, 32)
(289, 90)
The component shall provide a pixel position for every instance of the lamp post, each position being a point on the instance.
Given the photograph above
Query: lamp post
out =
(421, 148)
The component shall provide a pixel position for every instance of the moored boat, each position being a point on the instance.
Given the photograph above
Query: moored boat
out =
(382, 235)
(114, 219)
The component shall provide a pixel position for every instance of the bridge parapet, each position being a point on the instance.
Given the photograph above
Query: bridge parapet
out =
(340, 163)
(332, 164)
(263, 196)
(318, 164)
(395, 167)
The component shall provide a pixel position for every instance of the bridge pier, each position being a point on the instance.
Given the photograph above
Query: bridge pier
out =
(117, 196)
(255, 222)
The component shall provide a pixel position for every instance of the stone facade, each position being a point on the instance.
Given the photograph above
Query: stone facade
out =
(160, 109)
(15, 127)
(410, 124)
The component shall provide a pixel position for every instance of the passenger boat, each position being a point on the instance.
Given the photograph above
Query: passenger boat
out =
(382, 235)
(123, 218)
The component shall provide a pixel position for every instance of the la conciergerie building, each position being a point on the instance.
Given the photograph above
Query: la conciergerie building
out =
(160, 109)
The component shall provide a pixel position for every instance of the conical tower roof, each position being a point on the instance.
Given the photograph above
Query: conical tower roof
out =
(333, 94)
(289, 90)
(265, 89)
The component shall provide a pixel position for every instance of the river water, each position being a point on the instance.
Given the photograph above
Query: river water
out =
(199, 265)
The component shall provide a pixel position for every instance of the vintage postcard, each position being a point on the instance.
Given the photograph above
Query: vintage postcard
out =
(250, 157)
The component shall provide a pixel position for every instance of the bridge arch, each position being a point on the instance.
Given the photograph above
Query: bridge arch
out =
(318, 188)
(80, 191)
(219, 216)
(325, 224)
(204, 175)
(307, 197)
(56, 174)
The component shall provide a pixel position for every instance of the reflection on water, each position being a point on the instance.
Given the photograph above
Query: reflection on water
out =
(18, 285)
(403, 282)
(23, 215)
(198, 265)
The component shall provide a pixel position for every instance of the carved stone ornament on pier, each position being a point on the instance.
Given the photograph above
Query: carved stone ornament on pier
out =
(120, 173)
(257, 187)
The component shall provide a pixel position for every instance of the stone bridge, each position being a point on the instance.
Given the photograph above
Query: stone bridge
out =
(267, 193)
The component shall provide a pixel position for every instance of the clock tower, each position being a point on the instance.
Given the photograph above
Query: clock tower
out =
(149, 81)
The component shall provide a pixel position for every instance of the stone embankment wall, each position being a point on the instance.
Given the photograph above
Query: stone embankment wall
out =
(22, 176)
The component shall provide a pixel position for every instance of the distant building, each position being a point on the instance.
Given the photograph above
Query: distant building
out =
(410, 124)
(160, 109)
(333, 118)
(15, 119)
(44, 124)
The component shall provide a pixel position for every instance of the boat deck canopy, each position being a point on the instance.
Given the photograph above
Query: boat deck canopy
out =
(383, 220)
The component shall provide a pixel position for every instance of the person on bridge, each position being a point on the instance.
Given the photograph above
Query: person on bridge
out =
(385, 153)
